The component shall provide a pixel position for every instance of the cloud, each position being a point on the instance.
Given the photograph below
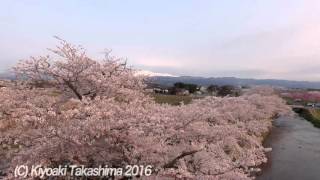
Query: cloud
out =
(158, 62)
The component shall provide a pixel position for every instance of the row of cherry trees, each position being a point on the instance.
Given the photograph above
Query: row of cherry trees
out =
(96, 113)
(309, 96)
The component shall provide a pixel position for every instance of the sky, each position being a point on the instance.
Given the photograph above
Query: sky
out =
(261, 39)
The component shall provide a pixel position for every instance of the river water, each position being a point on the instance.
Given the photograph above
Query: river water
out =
(295, 151)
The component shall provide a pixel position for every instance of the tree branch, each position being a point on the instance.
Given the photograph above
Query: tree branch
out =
(182, 155)
(74, 90)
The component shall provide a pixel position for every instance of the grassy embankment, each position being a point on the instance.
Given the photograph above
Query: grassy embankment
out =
(312, 115)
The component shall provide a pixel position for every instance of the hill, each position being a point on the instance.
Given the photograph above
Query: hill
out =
(168, 81)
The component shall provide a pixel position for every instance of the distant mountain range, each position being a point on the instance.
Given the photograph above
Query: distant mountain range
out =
(7, 75)
(169, 81)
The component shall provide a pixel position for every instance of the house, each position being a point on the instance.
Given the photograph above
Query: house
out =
(157, 88)
(182, 92)
(149, 90)
(203, 90)
(198, 92)
(160, 90)
(317, 105)
(311, 104)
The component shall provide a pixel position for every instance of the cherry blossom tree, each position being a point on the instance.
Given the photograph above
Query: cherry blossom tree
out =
(309, 96)
(101, 116)
(76, 75)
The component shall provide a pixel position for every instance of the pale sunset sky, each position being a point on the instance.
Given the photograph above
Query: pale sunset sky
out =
(243, 38)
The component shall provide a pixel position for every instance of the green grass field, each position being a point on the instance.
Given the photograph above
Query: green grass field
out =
(172, 99)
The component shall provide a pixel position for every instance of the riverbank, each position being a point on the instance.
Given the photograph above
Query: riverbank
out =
(310, 114)
(295, 151)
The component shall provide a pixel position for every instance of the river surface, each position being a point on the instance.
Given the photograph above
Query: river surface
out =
(295, 151)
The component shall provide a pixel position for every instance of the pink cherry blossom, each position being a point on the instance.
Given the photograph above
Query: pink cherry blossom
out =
(96, 113)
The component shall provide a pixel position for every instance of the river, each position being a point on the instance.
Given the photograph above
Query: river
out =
(295, 151)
